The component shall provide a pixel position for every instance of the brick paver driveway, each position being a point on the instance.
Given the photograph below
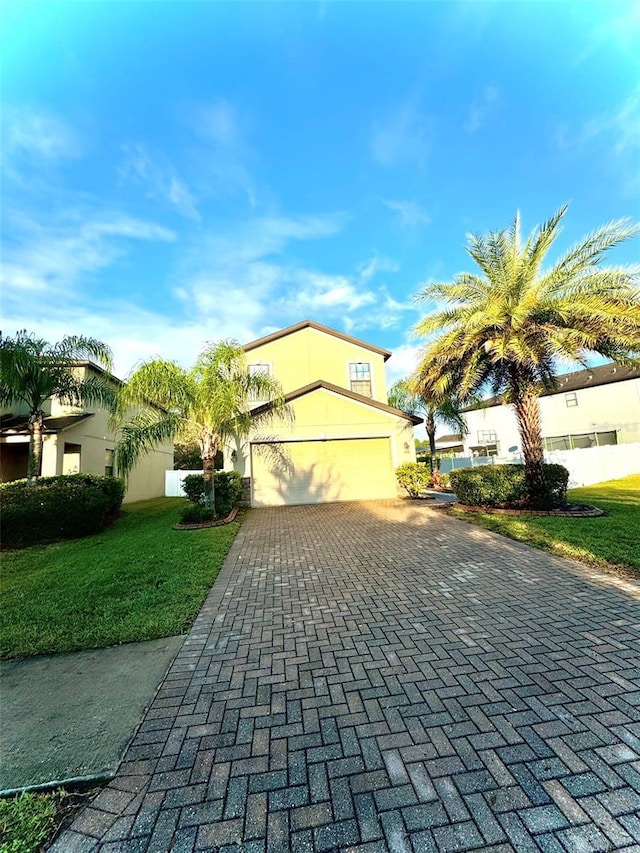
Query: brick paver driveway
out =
(372, 677)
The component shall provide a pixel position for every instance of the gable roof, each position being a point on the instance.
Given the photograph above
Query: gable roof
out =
(310, 324)
(592, 377)
(351, 395)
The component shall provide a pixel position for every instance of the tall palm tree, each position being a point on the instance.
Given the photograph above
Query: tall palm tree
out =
(207, 403)
(508, 327)
(32, 370)
(446, 409)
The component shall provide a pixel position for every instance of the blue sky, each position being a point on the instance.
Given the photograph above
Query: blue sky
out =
(177, 172)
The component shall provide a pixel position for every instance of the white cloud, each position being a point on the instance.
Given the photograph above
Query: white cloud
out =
(481, 109)
(223, 163)
(218, 121)
(403, 136)
(615, 134)
(409, 213)
(53, 259)
(38, 134)
(251, 273)
(377, 264)
(403, 362)
(159, 177)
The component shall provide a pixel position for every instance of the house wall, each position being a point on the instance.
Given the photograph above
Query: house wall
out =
(323, 414)
(96, 436)
(308, 354)
(615, 406)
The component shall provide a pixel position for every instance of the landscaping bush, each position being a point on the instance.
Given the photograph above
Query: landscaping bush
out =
(52, 508)
(414, 477)
(505, 485)
(193, 487)
(227, 490)
(196, 514)
(113, 487)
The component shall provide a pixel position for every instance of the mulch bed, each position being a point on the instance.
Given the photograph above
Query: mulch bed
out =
(204, 524)
(567, 511)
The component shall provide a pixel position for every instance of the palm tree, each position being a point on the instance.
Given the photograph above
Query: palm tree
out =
(207, 404)
(32, 370)
(509, 327)
(445, 409)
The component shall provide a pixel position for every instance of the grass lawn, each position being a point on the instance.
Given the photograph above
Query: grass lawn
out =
(27, 821)
(137, 580)
(30, 820)
(609, 541)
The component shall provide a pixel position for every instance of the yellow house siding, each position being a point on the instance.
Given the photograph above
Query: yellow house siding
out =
(320, 471)
(309, 354)
(324, 414)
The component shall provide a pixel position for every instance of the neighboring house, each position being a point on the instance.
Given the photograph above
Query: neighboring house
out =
(79, 441)
(342, 441)
(448, 444)
(589, 408)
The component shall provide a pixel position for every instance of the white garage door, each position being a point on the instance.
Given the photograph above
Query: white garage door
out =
(307, 472)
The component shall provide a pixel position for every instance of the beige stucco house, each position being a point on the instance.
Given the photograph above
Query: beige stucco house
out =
(342, 441)
(79, 441)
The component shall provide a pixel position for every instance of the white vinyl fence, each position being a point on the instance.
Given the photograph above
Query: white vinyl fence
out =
(173, 482)
(585, 465)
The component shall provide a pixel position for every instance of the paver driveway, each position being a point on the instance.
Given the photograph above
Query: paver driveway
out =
(378, 676)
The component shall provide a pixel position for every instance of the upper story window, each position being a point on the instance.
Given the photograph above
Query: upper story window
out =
(360, 378)
(257, 369)
(487, 436)
(571, 399)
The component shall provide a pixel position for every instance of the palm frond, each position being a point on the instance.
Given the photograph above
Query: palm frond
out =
(143, 432)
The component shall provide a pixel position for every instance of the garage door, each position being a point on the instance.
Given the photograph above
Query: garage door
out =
(307, 472)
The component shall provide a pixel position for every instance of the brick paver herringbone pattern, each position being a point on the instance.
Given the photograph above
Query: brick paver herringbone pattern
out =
(380, 677)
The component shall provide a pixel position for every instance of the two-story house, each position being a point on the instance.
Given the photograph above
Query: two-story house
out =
(78, 440)
(342, 440)
(588, 408)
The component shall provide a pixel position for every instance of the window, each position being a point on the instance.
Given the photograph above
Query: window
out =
(487, 436)
(71, 458)
(585, 439)
(258, 369)
(360, 378)
(571, 399)
(109, 463)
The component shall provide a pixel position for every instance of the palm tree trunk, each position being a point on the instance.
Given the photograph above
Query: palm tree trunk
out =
(527, 409)
(209, 447)
(430, 426)
(34, 465)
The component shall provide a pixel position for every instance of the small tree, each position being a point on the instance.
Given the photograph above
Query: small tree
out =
(207, 403)
(444, 408)
(32, 370)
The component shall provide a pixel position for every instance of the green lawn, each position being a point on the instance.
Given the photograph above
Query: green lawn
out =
(28, 820)
(137, 580)
(609, 541)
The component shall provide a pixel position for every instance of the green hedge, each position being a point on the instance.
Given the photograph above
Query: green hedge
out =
(227, 487)
(505, 485)
(52, 508)
(113, 487)
(414, 477)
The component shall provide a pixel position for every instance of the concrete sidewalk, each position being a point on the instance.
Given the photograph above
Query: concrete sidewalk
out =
(69, 717)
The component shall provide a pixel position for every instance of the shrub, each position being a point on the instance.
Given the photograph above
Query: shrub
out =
(505, 485)
(414, 477)
(227, 490)
(196, 514)
(113, 487)
(52, 508)
(193, 487)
